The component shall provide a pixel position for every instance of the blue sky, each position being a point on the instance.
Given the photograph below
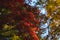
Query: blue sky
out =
(31, 2)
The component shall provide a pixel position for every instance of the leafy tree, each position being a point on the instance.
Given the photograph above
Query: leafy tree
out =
(18, 21)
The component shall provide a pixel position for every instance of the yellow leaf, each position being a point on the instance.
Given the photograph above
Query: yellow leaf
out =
(15, 37)
(6, 26)
(58, 2)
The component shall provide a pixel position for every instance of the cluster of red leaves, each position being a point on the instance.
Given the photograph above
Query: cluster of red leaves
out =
(24, 16)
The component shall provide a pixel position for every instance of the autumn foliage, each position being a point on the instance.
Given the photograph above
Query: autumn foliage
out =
(23, 16)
